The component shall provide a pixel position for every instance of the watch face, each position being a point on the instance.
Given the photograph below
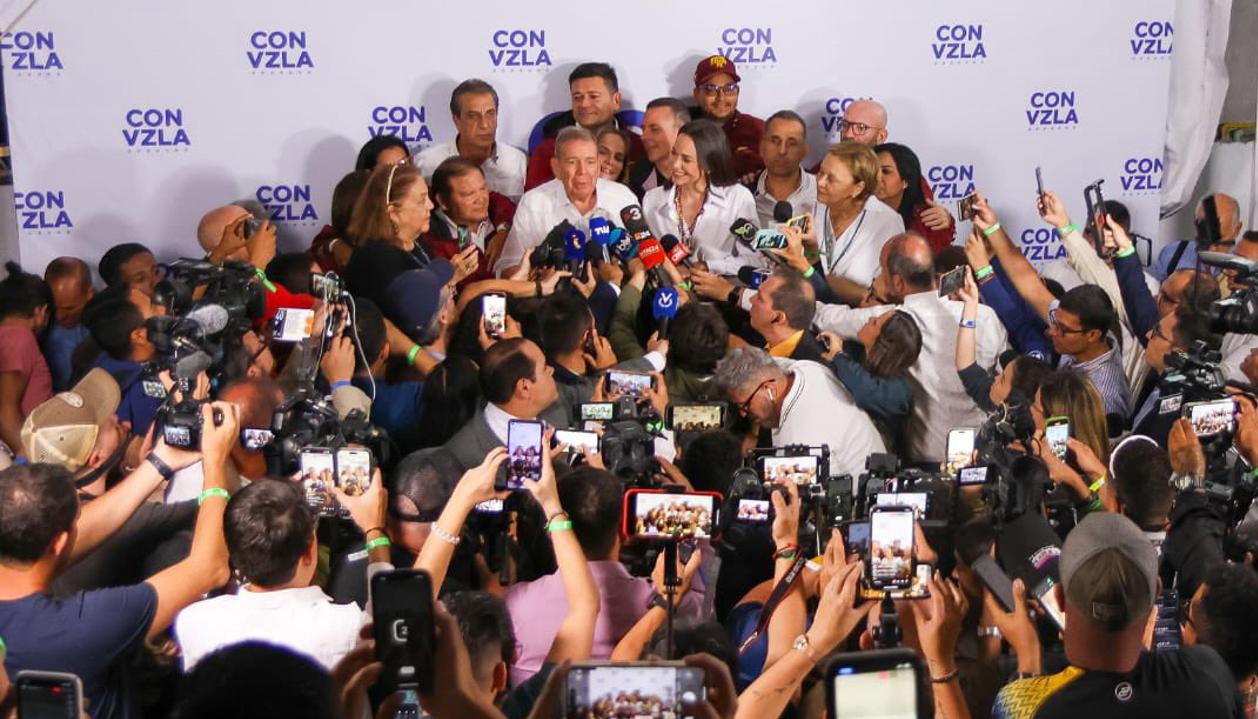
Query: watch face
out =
(800, 643)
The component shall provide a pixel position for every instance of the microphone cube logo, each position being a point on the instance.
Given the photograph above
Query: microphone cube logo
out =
(1141, 175)
(1042, 244)
(519, 50)
(748, 47)
(409, 123)
(950, 182)
(958, 45)
(1052, 110)
(42, 212)
(279, 52)
(1152, 40)
(30, 54)
(832, 118)
(288, 204)
(155, 130)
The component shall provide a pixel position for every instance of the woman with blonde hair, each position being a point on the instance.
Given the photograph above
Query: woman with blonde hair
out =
(1069, 394)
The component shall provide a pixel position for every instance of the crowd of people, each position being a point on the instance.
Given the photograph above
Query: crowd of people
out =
(198, 581)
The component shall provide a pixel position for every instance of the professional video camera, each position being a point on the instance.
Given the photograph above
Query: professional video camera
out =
(1239, 313)
(1010, 424)
(230, 286)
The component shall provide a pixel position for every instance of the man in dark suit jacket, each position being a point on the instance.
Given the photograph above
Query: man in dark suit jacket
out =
(781, 311)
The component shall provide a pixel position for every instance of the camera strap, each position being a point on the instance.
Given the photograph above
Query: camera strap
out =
(775, 598)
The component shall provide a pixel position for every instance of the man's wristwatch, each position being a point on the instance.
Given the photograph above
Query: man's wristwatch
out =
(657, 600)
(801, 644)
(734, 296)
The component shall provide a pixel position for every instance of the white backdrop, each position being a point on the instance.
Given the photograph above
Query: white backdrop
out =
(272, 100)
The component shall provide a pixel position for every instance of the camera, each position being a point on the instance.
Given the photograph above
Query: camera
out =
(1239, 313)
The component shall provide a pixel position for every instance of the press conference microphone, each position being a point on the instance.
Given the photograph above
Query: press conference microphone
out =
(752, 276)
(783, 211)
(574, 250)
(622, 244)
(594, 253)
(600, 234)
(1030, 550)
(676, 251)
(635, 224)
(744, 230)
(211, 318)
(664, 307)
(651, 252)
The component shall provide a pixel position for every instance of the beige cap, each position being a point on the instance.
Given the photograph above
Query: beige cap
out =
(63, 430)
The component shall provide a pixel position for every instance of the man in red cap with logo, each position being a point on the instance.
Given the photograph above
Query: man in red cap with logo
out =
(716, 91)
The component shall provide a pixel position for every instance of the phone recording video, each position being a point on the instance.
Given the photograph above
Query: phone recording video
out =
(960, 451)
(628, 384)
(695, 417)
(663, 515)
(753, 511)
(598, 411)
(875, 685)
(856, 538)
(48, 695)
(524, 452)
(952, 280)
(965, 207)
(640, 691)
(1057, 434)
(318, 475)
(919, 502)
(490, 506)
(972, 475)
(799, 469)
(327, 287)
(890, 548)
(353, 470)
(254, 439)
(769, 240)
(577, 441)
(1211, 418)
(292, 324)
(494, 312)
(402, 623)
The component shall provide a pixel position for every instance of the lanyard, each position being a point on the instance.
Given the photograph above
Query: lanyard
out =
(831, 240)
(775, 598)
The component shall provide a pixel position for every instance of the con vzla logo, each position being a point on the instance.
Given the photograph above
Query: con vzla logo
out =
(1141, 174)
(42, 211)
(958, 44)
(409, 123)
(950, 182)
(1042, 244)
(155, 129)
(279, 52)
(519, 50)
(1152, 39)
(288, 204)
(1052, 109)
(31, 53)
(748, 46)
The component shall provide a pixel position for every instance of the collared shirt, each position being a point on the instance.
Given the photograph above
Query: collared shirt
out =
(302, 619)
(803, 200)
(1106, 373)
(711, 241)
(940, 401)
(497, 419)
(547, 205)
(818, 410)
(787, 346)
(476, 234)
(744, 132)
(504, 169)
(854, 254)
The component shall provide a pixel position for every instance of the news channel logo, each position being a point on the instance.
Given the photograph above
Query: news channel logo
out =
(155, 130)
(288, 204)
(31, 53)
(1141, 176)
(1152, 40)
(950, 181)
(279, 52)
(1052, 110)
(958, 44)
(43, 212)
(832, 115)
(409, 123)
(519, 50)
(749, 48)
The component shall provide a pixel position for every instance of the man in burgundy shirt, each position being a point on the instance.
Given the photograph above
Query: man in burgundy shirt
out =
(716, 91)
(466, 212)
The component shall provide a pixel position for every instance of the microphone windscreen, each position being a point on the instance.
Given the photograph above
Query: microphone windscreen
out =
(782, 211)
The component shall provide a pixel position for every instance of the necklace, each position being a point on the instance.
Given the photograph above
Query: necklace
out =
(686, 234)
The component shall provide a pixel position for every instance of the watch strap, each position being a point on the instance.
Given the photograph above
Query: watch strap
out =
(161, 467)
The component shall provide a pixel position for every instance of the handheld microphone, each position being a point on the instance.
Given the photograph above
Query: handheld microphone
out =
(753, 277)
(744, 230)
(594, 253)
(676, 251)
(574, 249)
(1030, 549)
(600, 233)
(550, 251)
(622, 244)
(782, 211)
(664, 307)
(635, 224)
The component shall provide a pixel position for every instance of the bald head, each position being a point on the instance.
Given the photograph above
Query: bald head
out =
(908, 266)
(210, 229)
(865, 121)
(1229, 211)
(257, 398)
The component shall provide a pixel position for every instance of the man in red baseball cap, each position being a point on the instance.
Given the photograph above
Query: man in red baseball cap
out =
(716, 91)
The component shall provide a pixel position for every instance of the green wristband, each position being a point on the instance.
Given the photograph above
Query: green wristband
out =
(378, 542)
(684, 285)
(1127, 252)
(991, 230)
(559, 525)
(1067, 229)
(410, 356)
(808, 273)
(212, 492)
(983, 272)
(265, 282)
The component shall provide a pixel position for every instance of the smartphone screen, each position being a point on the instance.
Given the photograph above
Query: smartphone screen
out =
(660, 514)
(919, 502)
(293, 324)
(252, 438)
(1039, 183)
(754, 511)
(1212, 417)
(890, 547)
(494, 310)
(1057, 434)
(48, 695)
(353, 470)
(856, 538)
(327, 287)
(800, 470)
(317, 475)
(524, 452)
(490, 506)
(576, 441)
(768, 240)
(696, 417)
(965, 207)
(952, 281)
(960, 449)
(972, 475)
(640, 691)
(401, 602)
(598, 411)
(874, 692)
(628, 384)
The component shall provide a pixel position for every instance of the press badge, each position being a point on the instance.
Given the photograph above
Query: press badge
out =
(1171, 405)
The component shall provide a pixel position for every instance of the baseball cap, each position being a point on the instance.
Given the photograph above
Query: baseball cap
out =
(414, 296)
(1109, 570)
(63, 430)
(713, 65)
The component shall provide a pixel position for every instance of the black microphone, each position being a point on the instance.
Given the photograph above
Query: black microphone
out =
(650, 251)
(783, 211)
(752, 276)
(1030, 550)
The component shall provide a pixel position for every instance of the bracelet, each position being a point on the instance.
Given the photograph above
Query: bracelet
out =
(559, 525)
(786, 552)
(162, 468)
(1067, 229)
(1252, 473)
(1126, 253)
(684, 284)
(983, 273)
(968, 324)
(445, 536)
(410, 356)
(552, 517)
(989, 632)
(379, 542)
(991, 230)
(340, 383)
(1025, 675)
(212, 492)
(374, 529)
(265, 282)
(1096, 486)
(808, 273)
(945, 678)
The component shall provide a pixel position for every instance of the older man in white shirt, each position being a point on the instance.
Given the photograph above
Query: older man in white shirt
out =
(577, 194)
(940, 402)
(474, 109)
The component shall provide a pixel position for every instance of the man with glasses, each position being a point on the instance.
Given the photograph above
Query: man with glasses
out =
(1178, 255)
(716, 91)
(802, 403)
(864, 121)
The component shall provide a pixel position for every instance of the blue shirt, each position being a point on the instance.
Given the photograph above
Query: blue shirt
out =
(58, 349)
(397, 407)
(135, 407)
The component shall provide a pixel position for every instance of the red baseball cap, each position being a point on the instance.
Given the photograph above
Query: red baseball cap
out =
(714, 65)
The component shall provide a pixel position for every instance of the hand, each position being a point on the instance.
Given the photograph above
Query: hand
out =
(976, 253)
(1058, 471)
(1122, 240)
(794, 252)
(657, 344)
(261, 245)
(721, 701)
(834, 561)
(174, 457)
(593, 458)
(1016, 627)
(713, 287)
(611, 273)
(338, 362)
(368, 509)
(685, 574)
(551, 281)
(969, 294)
(837, 612)
(522, 270)
(477, 484)
(1249, 366)
(466, 262)
(586, 283)
(786, 514)
(674, 276)
(938, 619)
(217, 440)
(673, 475)
(454, 687)
(936, 217)
(546, 490)
(549, 703)
(1053, 210)
(657, 393)
(354, 674)
(603, 356)
(1185, 449)
(984, 215)
(1086, 459)
(832, 343)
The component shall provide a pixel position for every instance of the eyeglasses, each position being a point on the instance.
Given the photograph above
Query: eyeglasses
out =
(1062, 329)
(858, 128)
(713, 90)
(745, 406)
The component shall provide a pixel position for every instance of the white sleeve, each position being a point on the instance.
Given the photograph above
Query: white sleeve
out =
(526, 232)
(845, 321)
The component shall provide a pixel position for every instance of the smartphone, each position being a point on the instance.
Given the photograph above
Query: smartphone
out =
(768, 240)
(800, 221)
(969, 476)
(576, 440)
(890, 564)
(1211, 417)
(1047, 598)
(353, 470)
(598, 411)
(653, 514)
(254, 439)
(1039, 186)
(1095, 202)
(965, 206)
(401, 614)
(695, 417)
(801, 469)
(879, 684)
(952, 280)
(252, 225)
(48, 695)
(494, 312)
(856, 538)
(327, 287)
(1167, 635)
(628, 384)
(524, 452)
(632, 689)
(292, 324)
(919, 502)
(960, 451)
(753, 511)
(996, 581)
(318, 475)
(1057, 434)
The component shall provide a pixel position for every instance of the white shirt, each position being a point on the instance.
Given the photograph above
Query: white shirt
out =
(303, 619)
(547, 205)
(1235, 349)
(504, 170)
(803, 200)
(939, 399)
(854, 255)
(711, 242)
(818, 410)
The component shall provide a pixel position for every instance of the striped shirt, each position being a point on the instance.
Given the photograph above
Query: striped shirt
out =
(1107, 375)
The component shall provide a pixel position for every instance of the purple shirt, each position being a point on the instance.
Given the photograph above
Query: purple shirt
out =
(538, 608)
